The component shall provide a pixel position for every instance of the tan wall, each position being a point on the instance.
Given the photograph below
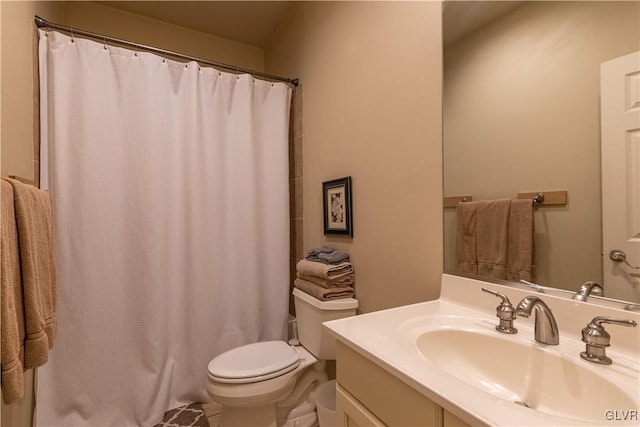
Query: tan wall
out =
(19, 81)
(371, 73)
(372, 110)
(521, 113)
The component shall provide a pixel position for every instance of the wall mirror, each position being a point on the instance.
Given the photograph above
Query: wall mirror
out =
(522, 95)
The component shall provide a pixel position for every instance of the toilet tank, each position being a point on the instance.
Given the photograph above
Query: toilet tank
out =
(311, 312)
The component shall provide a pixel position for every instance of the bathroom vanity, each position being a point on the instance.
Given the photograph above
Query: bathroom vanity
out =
(378, 398)
(443, 363)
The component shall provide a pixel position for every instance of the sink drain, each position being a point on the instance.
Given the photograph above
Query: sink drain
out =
(525, 404)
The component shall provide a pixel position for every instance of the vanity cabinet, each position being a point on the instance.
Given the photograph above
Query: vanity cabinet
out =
(351, 413)
(450, 420)
(367, 395)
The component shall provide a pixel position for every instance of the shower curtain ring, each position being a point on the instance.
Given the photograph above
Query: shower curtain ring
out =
(105, 43)
(73, 40)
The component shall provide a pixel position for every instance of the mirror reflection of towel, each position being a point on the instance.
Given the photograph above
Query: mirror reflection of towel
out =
(491, 237)
(495, 238)
(466, 213)
(520, 242)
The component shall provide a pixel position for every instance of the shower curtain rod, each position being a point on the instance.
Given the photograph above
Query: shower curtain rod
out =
(43, 23)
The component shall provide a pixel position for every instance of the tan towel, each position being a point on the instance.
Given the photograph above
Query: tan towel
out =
(491, 237)
(34, 218)
(520, 241)
(324, 294)
(11, 316)
(466, 213)
(346, 280)
(325, 271)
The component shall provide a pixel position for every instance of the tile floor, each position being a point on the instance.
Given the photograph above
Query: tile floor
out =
(193, 415)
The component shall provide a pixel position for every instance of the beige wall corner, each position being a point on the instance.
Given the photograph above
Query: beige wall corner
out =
(117, 23)
(372, 110)
(18, 82)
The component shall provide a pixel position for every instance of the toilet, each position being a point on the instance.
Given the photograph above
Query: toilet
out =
(271, 383)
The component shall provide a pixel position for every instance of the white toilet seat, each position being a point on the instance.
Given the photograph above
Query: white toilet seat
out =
(254, 392)
(266, 392)
(254, 362)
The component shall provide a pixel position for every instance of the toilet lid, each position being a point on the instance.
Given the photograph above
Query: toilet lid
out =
(254, 362)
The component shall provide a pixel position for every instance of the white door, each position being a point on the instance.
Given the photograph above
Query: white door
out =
(620, 127)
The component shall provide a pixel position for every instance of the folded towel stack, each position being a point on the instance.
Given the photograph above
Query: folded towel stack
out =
(326, 274)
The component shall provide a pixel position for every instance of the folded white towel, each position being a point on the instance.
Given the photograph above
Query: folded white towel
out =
(326, 271)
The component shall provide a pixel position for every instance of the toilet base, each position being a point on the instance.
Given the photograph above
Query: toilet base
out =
(295, 407)
(258, 416)
(303, 415)
(309, 420)
(265, 416)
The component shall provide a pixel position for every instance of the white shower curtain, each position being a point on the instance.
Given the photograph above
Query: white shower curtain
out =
(170, 190)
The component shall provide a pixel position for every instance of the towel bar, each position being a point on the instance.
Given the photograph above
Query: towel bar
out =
(540, 198)
(23, 180)
(452, 202)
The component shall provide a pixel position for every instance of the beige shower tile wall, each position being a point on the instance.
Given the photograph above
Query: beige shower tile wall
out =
(295, 188)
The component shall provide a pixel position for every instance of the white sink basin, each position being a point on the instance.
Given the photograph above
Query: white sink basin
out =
(449, 351)
(516, 369)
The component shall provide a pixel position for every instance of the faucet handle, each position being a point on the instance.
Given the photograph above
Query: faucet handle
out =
(597, 339)
(505, 312)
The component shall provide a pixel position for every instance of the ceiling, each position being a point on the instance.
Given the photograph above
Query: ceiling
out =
(253, 22)
(248, 22)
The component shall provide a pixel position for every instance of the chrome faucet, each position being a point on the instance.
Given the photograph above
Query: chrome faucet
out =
(597, 339)
(546, 328)
(588, 288)
(505, 312)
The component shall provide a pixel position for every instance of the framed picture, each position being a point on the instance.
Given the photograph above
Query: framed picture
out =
(336, 202)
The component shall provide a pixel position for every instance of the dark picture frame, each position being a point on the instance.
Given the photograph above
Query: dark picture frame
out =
(337, 203)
